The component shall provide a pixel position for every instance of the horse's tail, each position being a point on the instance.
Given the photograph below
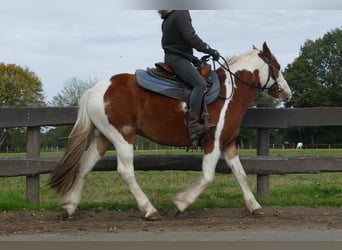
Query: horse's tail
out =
(63, 175)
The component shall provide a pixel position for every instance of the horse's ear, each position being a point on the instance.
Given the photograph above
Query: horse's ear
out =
(254, 47)
(265, 49)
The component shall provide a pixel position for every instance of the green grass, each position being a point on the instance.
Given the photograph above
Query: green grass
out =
(107, 189)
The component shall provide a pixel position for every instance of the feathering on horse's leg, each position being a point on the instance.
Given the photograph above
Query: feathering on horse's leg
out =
(186, 198)
(126, 170)
(97, 148)
(233, 161)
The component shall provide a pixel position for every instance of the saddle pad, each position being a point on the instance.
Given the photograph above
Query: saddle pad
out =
(149, 82)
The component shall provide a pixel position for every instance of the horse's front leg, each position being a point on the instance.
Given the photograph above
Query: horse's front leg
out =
(186, 198)
(233, 161)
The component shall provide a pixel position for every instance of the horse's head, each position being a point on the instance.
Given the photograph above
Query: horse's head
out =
(259, 69)
(271, 77)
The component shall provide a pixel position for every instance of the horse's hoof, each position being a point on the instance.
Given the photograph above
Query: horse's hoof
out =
(153, 217)
(258, 212)
(68, 209)
(176, 211)
(65, 215)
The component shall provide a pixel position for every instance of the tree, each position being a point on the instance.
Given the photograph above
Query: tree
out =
(73, 90)
(316, 76)
(70, 95)
(316, 80)
(18, 87)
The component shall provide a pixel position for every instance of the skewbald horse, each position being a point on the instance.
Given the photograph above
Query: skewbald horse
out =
(116, 109)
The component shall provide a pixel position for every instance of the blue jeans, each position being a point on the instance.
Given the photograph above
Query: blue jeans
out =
(186, 71)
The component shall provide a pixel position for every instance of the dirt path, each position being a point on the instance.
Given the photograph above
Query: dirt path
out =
(207, 224)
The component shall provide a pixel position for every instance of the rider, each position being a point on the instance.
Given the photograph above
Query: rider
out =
(178, 41)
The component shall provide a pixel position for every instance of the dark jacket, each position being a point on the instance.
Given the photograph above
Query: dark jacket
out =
(179, 36)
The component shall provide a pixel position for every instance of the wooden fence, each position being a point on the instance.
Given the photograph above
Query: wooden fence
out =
(262, 165)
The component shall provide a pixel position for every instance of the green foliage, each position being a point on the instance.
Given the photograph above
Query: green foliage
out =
(264, 100)
(19, 87)
(56, 137)
(15, 140)
(316, 76)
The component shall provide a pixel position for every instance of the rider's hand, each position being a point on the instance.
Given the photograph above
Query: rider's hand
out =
(215, 54)
(196, 62)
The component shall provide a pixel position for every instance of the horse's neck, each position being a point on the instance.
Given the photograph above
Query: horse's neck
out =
(243, 94)
(243, 97)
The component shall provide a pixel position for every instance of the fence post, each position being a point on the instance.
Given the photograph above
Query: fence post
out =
(263, 180)
(33, 151)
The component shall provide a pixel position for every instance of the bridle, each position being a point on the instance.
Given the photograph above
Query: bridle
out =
(274, 87)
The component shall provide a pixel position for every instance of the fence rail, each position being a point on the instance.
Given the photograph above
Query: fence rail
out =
(260, 118)
(254, 118)
(253, 165)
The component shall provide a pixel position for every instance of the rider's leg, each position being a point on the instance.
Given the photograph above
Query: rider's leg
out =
(188, 73)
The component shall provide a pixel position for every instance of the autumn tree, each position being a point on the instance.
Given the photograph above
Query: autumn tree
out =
(18, 87)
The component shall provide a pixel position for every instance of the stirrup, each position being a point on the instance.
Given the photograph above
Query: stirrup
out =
(195, 142)
(205, 117)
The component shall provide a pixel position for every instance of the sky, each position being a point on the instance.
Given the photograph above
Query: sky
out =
(96, 39)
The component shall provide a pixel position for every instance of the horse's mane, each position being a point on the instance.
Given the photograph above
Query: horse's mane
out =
(234, 59)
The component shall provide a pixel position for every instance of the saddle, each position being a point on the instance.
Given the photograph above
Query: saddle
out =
(164, 71)
(162, 80)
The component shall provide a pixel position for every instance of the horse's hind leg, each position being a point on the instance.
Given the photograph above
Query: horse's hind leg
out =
(126, 170)
(97, 147)
(235, 165)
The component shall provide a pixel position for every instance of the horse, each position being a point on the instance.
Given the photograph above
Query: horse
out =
(299, 145)
(116, 109)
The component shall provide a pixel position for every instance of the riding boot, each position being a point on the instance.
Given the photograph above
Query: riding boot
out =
(195, 128)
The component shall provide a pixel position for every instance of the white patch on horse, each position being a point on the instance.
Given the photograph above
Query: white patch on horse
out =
(220, 124)
(96, 110)
(286, 92)
(126, 129)
(250, 61)
(105, 104)
(184, 107)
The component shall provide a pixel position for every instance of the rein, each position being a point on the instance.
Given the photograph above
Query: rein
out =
(274, 86)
